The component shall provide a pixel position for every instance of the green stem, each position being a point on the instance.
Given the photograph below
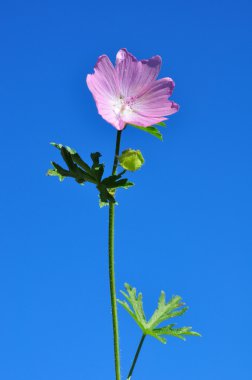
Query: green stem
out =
(112, 268)
(117, 149)
(136, 357)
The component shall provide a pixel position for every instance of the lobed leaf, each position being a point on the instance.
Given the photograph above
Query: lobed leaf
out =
(176, 332)
(165, 310)
(82, 172)
(136, 309)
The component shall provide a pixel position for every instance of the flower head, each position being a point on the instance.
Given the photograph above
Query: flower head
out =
(129, 93)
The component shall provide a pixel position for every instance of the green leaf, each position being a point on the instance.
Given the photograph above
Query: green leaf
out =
(75, 158)
(115, 181)
(78, 169)
(176, 332)
(161, 124)
(97, 168)
(78, 160)
(151, 130)
(95, 158)
(68, 159)
(58, 146)
(105, 195)
(165, 310)
(60, 170)
(102, 204)
(136, 302)
(123, 183)
(75, 172)
(109, 181)
(54, 173)
(82, 172)
(98, 171)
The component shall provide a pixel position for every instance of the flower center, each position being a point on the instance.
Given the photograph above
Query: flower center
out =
(123, 106)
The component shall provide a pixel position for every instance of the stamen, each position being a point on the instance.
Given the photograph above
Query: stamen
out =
(123, 106)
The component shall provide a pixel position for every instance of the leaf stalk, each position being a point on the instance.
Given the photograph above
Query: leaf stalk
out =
(136, 357)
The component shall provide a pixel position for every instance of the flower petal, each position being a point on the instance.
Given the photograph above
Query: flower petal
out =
(124, 55)
(127, 70)
(104, 88)
(153, 105)
(134, 76)
(150, 70)
(103, 82)
(160, 88)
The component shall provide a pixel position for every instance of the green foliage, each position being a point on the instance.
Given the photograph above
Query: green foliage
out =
(165, 310)
(108, 186)
(151, 130)
(82, 173)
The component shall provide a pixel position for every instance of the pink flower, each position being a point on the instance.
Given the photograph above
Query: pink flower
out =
(129, 92)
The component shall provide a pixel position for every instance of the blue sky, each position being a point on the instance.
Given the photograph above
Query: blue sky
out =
(184, 228)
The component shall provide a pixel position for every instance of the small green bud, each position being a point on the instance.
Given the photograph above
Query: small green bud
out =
(131, 159)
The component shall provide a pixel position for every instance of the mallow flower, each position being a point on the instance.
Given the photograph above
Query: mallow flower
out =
(129, 92)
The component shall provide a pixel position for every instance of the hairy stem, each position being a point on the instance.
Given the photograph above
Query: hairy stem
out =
(112, 268)
(136, 357)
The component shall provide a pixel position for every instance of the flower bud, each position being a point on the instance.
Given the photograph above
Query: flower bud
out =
(131, 159)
